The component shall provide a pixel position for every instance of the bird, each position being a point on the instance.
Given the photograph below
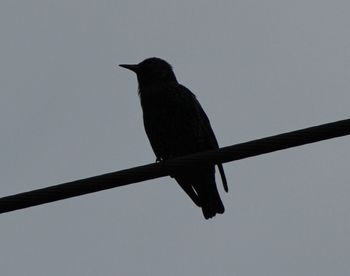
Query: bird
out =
(177, 125)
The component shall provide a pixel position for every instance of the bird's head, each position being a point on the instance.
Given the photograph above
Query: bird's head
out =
(152, 71)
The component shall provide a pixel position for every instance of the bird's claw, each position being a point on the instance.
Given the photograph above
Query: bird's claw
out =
(159, 159)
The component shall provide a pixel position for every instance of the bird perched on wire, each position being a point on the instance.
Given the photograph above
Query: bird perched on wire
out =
(177, 125)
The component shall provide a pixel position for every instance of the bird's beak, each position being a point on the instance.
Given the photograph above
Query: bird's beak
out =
(132, 67)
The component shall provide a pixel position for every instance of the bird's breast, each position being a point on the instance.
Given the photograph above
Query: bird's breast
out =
(170, 123)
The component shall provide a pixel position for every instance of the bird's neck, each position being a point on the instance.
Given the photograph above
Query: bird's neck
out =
(153, 88)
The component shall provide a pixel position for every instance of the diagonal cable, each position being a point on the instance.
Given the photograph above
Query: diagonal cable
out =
(155, 170)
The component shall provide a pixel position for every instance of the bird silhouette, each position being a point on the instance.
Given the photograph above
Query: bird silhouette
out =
(177, 125)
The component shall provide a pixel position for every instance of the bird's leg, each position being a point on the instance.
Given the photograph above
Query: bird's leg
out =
(160, 161)
(171, 157)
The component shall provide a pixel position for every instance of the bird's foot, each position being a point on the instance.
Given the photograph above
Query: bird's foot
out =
(159, 159)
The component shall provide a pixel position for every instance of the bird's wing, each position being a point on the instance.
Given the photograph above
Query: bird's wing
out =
(210, 138)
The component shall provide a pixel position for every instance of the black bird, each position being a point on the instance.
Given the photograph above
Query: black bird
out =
(177, 125)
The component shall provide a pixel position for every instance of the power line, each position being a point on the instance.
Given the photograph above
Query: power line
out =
(155, 170)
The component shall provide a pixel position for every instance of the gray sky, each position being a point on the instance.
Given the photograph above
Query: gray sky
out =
(258, 68)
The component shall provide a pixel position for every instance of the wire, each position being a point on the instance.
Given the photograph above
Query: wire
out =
(169, 167)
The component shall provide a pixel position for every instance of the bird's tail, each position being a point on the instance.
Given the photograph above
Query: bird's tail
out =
(223, 177)
(210, 199)
(200, 185)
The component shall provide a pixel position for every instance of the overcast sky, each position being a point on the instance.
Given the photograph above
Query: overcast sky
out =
(258, 68)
